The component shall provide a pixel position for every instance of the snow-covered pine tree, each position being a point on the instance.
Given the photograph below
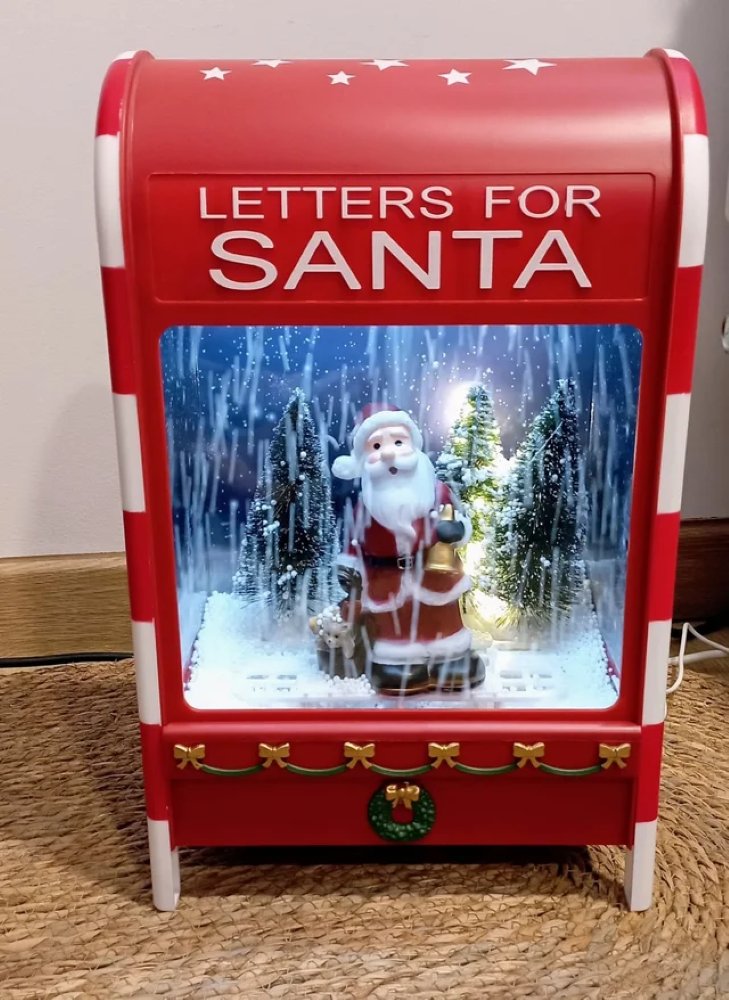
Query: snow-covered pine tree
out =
(287, 553)
(540, 529)
(472, 464)
(471, 459)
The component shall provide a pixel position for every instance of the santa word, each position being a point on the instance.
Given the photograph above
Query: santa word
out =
(240, 247)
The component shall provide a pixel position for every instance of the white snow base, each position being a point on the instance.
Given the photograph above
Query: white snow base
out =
(242, 660)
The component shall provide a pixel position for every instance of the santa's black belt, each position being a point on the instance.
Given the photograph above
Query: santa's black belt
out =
(393, 562)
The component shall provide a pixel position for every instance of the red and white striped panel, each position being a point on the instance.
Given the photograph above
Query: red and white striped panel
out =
(164, 861)
(694, 213)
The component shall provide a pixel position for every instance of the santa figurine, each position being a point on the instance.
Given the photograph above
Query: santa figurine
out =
(400, 567)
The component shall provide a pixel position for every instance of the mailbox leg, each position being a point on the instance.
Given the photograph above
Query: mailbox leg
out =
(640, 865)
(165, 864)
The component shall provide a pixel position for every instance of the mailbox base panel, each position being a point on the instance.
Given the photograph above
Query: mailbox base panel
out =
(542, 810)
(280, 810)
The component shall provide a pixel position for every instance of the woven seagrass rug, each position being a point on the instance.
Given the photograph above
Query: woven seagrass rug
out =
(76, 918)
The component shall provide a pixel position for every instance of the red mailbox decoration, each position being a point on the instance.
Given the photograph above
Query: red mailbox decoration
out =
(401, 357)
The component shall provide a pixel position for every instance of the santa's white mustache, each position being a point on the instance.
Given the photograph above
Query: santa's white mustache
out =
(396, 501)
(401, 463)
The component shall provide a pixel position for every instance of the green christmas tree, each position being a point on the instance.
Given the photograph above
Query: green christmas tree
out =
(471, 459)
(540, 528)
(471, 463)
(288, 548)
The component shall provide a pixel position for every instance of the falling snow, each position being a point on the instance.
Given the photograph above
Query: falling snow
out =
(226, 392)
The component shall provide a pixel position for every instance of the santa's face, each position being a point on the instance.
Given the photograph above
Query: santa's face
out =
(388, 451)
(398, 482)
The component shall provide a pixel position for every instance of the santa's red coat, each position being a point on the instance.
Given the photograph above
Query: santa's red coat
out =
(415, 611)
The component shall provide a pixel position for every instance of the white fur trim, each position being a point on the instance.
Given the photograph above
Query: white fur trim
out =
(695, 207)
(350, 562)
(436, 598)
(394, 603)
(412, 590)
(394, 651)
(346, 467)
(384, 418)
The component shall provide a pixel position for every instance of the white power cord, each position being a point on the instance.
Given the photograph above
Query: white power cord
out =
(683, 657)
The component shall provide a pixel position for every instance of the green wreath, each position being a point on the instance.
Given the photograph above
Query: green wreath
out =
(379, 813)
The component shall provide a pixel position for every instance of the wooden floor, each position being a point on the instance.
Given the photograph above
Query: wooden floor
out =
(52, 605)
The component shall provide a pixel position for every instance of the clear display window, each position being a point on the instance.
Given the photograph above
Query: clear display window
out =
(401, 516)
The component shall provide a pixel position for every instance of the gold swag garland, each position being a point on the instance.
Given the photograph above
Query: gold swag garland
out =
(363, 755)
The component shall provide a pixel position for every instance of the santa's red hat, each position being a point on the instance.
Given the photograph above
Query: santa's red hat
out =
(373, 417)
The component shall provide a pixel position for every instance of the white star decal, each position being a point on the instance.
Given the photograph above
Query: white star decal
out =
(273, 63)
(216, 73)
(384, 63)
(530, 65)
(455, 76)
(341, 77)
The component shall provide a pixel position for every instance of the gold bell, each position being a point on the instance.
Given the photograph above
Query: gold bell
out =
(442, 557)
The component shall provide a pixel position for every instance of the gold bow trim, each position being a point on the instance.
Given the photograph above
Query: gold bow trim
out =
(528, 753)
(614, 755)
(439, 753)
(274, 754)
(406, 794)
(359, 754)
(444, 753)
(189, 755)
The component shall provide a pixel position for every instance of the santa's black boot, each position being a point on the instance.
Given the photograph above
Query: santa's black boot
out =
(466, 671)
(399, 678)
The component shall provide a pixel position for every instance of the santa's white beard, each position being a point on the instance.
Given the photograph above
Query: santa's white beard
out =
(395, 501)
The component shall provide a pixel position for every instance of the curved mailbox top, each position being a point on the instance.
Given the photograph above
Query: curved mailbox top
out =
(375, 181)
(367, 182)
(352, 117)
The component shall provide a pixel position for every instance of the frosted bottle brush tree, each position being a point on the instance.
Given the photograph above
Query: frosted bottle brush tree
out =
(470, 462)
(288, 546)
(540, 528)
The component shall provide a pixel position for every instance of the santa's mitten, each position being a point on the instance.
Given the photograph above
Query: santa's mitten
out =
(349, 579)
(451, 532)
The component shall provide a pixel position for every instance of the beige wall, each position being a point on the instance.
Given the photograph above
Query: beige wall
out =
(58, 485)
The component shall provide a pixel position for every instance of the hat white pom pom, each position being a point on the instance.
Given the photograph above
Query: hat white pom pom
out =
(346, 467)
